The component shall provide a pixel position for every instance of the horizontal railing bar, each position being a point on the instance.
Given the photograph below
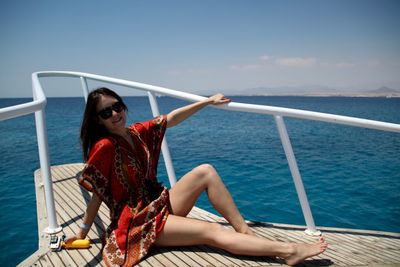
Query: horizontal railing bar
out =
(38, 103)
(235, 106)
(317, 116)
(21, 109)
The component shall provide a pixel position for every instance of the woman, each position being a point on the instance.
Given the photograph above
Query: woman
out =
(121, 165)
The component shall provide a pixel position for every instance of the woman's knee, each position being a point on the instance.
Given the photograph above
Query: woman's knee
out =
(206, 170)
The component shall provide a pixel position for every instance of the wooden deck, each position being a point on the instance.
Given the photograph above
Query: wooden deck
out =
(347, 247)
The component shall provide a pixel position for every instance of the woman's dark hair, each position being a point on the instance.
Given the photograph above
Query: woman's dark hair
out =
(91, 129)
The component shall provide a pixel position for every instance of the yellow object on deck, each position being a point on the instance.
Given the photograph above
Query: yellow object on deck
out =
(80, 243)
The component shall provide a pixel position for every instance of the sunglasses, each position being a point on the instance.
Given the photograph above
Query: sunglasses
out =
(106, 113)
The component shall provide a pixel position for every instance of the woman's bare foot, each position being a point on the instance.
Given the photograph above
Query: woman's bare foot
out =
(304, 251)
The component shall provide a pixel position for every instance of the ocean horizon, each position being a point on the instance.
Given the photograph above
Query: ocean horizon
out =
(351, 175)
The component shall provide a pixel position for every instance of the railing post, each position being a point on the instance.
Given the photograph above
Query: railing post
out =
(164, 146)
(301, 193)
(45, 172)
(85, 88)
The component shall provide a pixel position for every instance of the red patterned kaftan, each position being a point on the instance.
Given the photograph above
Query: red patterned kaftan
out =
(124, 177)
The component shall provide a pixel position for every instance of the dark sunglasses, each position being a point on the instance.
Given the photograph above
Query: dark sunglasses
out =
(106, 113)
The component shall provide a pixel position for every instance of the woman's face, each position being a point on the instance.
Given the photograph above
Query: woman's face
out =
(113, 120)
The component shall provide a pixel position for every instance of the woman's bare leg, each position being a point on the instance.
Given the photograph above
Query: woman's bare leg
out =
(187, 190)
(182, 231)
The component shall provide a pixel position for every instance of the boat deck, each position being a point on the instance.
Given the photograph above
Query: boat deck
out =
(348, 247)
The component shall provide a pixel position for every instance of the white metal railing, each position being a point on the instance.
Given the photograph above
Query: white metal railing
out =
(39, 102)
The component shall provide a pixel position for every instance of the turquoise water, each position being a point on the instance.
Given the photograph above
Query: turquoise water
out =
(351, 175)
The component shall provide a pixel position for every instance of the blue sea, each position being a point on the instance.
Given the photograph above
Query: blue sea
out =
(351, 175)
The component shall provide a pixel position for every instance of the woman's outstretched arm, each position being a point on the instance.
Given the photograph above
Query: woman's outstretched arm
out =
(180, 114)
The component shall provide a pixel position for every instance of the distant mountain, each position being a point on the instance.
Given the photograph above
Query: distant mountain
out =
(384, 90)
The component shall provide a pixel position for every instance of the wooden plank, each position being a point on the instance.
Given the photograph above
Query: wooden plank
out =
(65, 258)
(190, 261)
(55, 259)
(350, 247)
(163, 260)
(171, 256)
(45, 261)
(207, 255)
(343, 246)
(187, 252)
(376, 248)
(152, 261)
(144, 263)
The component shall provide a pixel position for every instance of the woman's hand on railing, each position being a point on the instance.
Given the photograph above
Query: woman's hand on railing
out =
(218, 99)
(180, 114)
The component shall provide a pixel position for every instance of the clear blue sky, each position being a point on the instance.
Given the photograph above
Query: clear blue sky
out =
(202, 45)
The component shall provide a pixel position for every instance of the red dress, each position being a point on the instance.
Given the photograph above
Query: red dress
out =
(124, 177)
